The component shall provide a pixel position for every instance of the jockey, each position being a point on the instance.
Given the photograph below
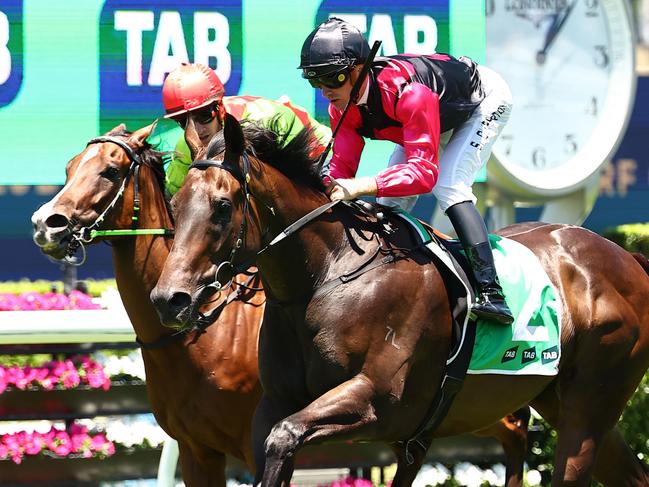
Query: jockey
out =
(194, 90)
(414, 101)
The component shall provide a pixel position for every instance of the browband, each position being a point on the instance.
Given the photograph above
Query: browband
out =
(231, 168)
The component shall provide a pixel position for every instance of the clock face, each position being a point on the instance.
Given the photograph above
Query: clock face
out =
(570, 66)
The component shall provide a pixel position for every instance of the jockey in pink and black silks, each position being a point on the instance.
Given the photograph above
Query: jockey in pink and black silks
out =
(443, 114)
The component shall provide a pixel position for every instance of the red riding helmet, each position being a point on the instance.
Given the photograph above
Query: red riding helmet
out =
(190, 86)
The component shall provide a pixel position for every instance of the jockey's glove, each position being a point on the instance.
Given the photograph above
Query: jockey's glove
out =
(351, 189)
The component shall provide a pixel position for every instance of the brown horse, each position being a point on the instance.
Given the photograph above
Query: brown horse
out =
(327, 369)
(203, 387)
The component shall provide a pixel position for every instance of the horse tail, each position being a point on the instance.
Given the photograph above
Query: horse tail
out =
(642, 260)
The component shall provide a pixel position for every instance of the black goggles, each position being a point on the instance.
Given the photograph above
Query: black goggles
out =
(334, 80)
(202, 116)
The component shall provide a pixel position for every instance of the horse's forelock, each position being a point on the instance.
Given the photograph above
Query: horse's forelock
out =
(267, 143)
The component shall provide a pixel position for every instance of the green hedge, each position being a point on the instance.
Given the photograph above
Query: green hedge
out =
(94, 287)
(633, 237)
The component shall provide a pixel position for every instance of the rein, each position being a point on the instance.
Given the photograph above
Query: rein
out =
(85, 235)
(389, 256)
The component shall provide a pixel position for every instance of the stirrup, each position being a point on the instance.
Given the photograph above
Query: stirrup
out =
(496, 310)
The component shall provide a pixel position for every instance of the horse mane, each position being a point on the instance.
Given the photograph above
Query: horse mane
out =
(642, 260)
(294, 159)
(149, 157)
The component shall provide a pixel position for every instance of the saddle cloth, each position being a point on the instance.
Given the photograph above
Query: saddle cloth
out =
(530, 346)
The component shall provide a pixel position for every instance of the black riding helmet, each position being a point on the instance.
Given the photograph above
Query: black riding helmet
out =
(335, 45)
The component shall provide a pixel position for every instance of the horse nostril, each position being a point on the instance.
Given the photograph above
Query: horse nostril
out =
(56, 221)
(180, 301)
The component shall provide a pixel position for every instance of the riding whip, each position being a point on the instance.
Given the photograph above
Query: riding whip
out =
(352, 96)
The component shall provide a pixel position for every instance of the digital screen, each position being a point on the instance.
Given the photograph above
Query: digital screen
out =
(73, 69)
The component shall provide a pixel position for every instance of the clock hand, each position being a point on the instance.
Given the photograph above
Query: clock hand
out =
(553, 32)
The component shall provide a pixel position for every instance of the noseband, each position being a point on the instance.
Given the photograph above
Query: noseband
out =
(85, 235)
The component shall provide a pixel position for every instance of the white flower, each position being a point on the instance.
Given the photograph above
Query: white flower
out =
(467, 474)
(533, 477)
(130, 364)
(42, 426)
(431, 475)
(495, 475)
(134, 430)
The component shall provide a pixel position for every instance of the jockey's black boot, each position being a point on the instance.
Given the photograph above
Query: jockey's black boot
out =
(470, 228)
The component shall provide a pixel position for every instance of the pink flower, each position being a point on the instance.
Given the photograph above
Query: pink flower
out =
(3, 379)
(70, 379)
(103, 445)
(61, 444)
(33, 443)
(79, 300)
(95, 375)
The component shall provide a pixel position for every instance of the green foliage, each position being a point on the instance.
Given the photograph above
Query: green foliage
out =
(633, 237)
(634, 424)
(35, 360)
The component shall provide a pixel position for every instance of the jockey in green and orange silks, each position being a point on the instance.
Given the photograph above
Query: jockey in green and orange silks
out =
(194, 90)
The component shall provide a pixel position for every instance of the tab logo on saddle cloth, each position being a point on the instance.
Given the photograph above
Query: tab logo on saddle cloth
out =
(11, 50)
(138, 46)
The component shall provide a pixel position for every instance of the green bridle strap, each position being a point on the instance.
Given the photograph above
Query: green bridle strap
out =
(125, 232)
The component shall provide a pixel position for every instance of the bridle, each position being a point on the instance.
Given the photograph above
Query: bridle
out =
(85, 235)
(243, 177)
(226, 270)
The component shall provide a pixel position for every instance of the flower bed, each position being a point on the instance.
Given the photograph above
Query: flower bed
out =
(91, 287)
(75, 441)
(35, 301)
(37, 386)
(60, 374)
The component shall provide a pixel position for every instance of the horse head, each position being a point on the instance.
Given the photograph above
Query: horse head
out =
(98, 182)
(215, 201)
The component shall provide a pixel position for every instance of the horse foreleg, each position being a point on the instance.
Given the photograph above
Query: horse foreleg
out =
(590, 406)
(340, 412)
(616, 463)
(267, 414)
(206, 469)
(408, 465)
(511, 431)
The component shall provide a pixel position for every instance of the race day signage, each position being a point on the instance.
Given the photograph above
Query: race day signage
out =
(72, 69)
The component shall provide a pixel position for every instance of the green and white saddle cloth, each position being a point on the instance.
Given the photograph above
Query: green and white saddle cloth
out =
(530, 346)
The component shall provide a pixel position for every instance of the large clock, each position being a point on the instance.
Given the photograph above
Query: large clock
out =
(571, 68)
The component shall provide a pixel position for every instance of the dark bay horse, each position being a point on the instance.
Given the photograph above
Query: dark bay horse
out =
(328, 370)
(203, 387)
(203, 391)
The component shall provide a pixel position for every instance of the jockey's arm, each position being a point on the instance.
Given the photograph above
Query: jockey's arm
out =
(418, 112)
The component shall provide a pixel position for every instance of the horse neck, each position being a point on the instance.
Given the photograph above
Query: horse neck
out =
(295, 264)
(138, 260)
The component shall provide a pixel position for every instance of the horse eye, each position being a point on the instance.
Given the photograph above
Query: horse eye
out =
(222, 211)
(110, 172)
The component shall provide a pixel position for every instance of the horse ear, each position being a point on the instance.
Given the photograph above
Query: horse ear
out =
(194, 143)
(233, 134)
(119, 128)
(138, 138)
